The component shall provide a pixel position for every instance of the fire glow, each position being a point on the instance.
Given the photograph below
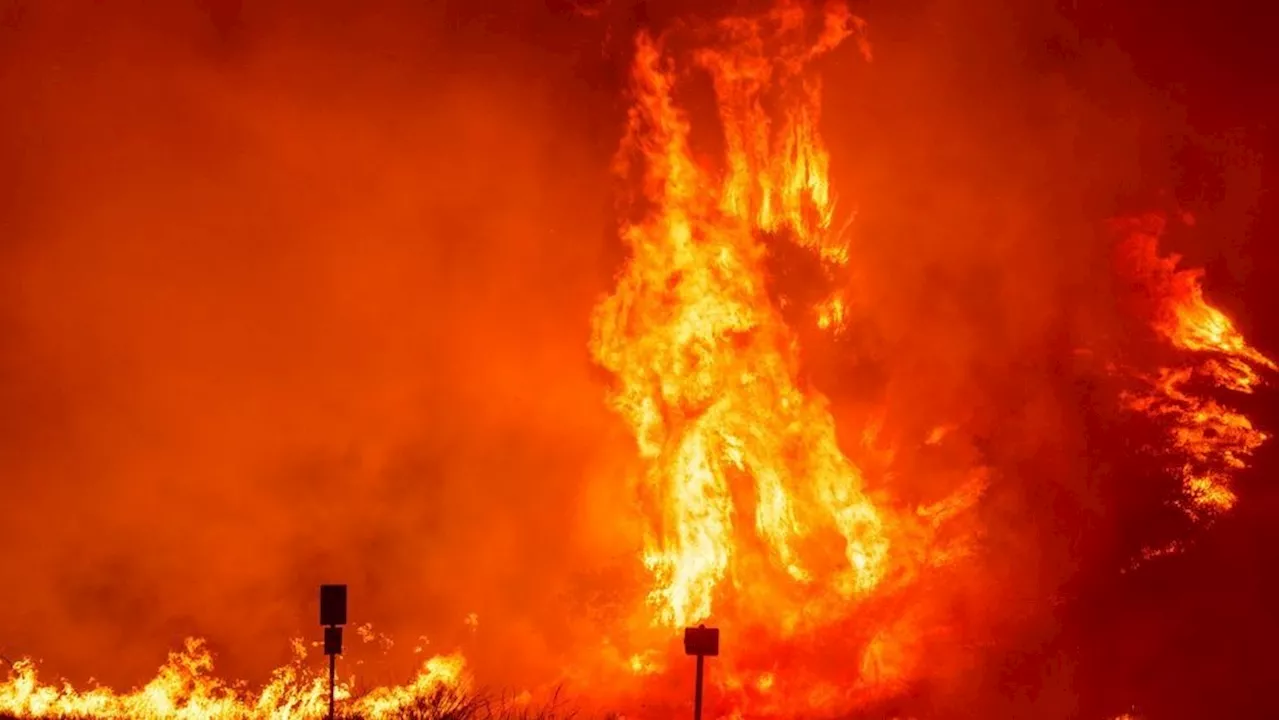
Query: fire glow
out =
(756, 514)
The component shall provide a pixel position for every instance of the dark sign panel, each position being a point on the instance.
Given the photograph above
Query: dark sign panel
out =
(333, 604)
(702, 641)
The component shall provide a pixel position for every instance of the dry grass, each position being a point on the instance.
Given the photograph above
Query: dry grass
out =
(447, 704)
(452, 704)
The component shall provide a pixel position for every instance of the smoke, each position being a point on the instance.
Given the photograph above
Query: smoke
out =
(981, 149)
(302, 302)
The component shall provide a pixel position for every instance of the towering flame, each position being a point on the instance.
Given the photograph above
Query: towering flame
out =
(743, 472)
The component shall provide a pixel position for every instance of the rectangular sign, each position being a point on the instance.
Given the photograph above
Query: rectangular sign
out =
(702, 641)
(333, 640)
(333, 604)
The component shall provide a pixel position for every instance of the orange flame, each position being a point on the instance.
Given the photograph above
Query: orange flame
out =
(1213, 439)
(753, 511)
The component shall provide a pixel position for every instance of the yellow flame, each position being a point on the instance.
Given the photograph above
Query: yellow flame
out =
(706, 369)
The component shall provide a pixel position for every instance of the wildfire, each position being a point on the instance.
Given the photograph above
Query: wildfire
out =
(1211, 440)
(754, 511)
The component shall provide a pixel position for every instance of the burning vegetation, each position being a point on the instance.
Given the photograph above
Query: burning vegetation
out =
(1208, 438)
(800, 524)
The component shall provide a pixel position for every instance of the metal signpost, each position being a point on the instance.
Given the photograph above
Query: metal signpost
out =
(333, 615)
(701, 642)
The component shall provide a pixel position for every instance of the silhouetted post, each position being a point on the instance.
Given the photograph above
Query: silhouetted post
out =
(333, 615)
(697, 690)
(333, 661)
(700, 642)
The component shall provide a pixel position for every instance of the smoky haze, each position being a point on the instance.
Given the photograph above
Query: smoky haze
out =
(293, 298)
(981, 148)
(288, 298)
